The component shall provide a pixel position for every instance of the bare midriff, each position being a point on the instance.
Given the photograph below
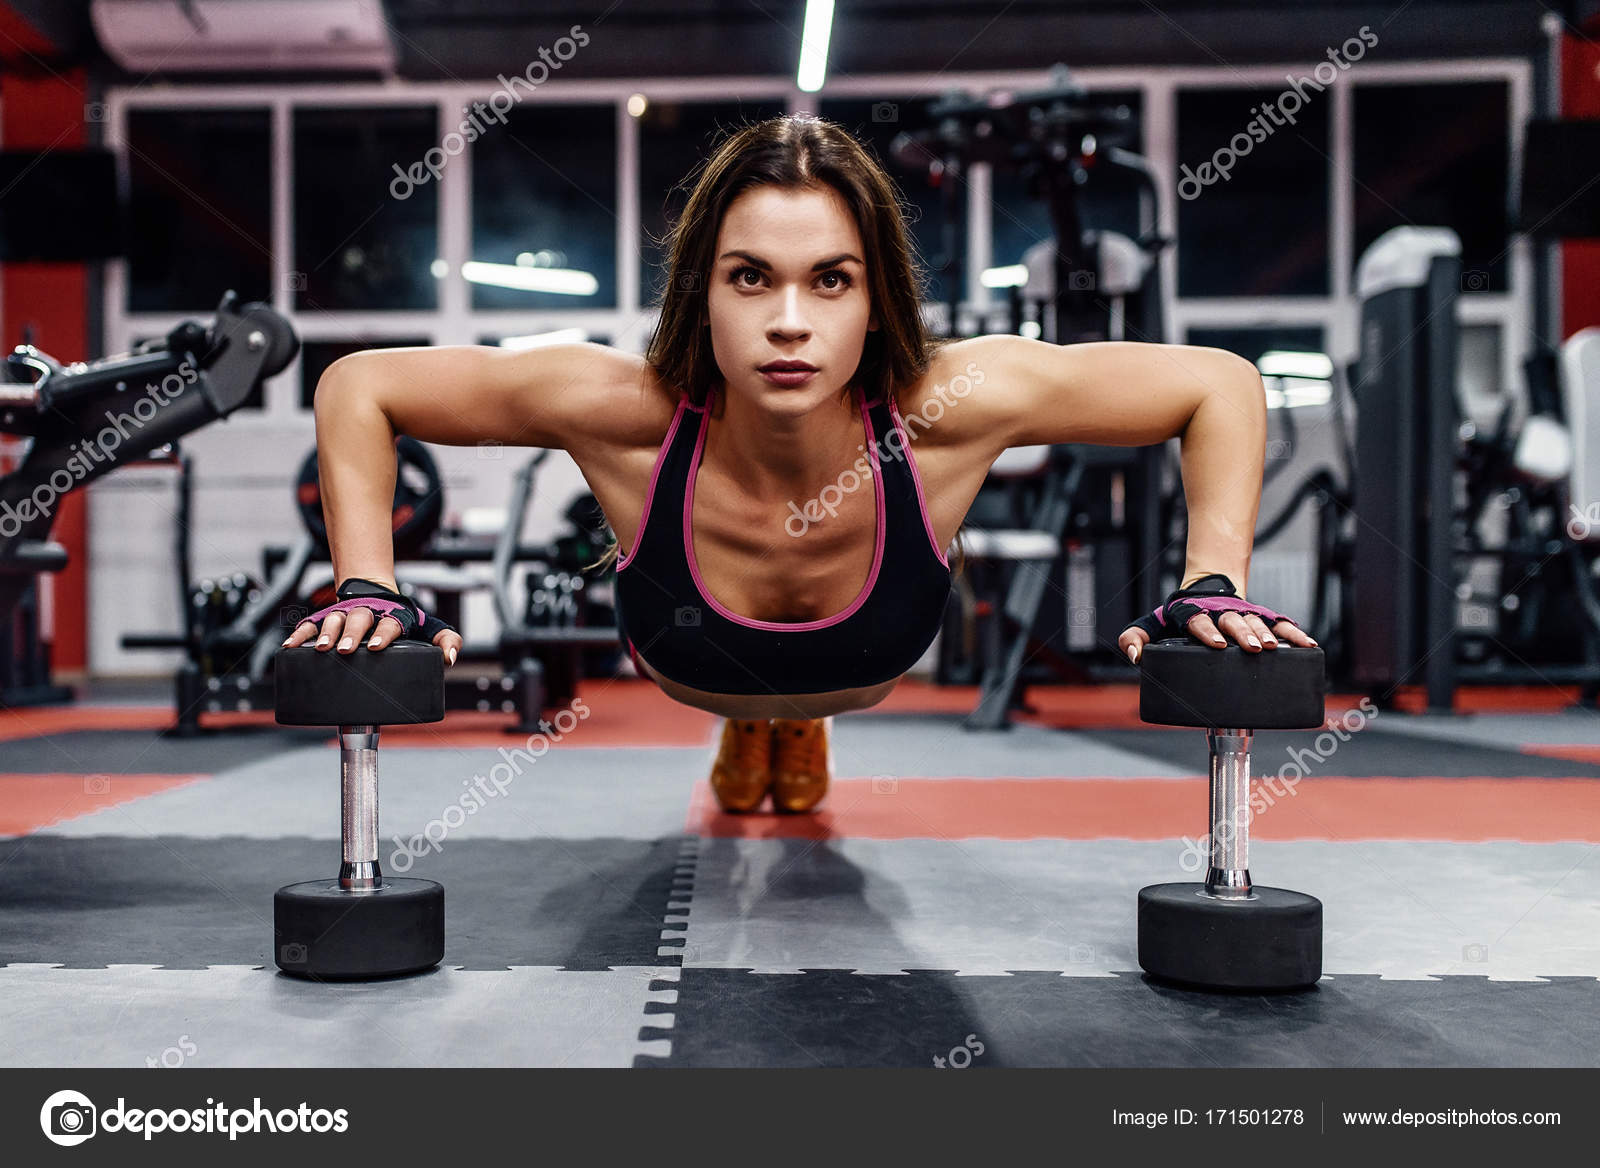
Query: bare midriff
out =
(795, 706)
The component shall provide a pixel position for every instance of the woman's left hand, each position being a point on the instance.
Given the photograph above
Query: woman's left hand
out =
(1212, 612)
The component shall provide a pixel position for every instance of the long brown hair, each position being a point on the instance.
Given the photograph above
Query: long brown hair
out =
(792, 152)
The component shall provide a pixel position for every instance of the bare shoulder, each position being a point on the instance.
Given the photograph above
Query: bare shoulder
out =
(961, 401)
(612, 400)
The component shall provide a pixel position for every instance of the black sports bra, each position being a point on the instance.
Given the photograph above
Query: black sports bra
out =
(665, 611)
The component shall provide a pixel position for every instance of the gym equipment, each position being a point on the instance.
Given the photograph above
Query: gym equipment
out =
(1405, 393)
(88, 418)
(1228, 933)
(542, 658)
(1096, 515)
(360, 924)
(418, 497)
(231, 652)
(1415, 548)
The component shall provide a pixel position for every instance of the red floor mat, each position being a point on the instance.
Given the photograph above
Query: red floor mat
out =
(1527, 810)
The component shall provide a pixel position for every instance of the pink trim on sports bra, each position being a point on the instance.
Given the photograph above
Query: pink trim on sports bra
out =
(785, 626)
(916, 477)
(650, 495)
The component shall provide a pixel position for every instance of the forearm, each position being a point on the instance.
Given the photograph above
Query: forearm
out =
(1223, 453)
(356, 467)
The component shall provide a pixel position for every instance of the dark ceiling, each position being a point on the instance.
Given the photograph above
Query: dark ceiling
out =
(477, 39)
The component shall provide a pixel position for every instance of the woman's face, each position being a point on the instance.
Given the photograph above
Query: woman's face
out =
(789, 282)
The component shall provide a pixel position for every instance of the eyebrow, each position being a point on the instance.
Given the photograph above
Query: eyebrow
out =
(758, 262)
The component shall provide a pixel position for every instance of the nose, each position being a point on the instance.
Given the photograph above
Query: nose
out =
(788, 322)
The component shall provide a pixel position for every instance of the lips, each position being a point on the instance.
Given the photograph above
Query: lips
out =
(788, 367)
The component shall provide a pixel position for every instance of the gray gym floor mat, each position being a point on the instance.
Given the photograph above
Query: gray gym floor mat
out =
(1374, 751)
(832, 1018)
(572, 794)
(124, 752)
(1399, 909)
(1566, 728)
(937, 747)
(236, 1016)
(188, 903)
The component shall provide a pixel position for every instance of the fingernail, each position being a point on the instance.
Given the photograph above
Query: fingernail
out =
(323, 640)
(1251, 638)
(1218, 641)
(1133, 654)
(286, 642)
(450, 656)
(346, 643)
(1312, 641)
(372, 644)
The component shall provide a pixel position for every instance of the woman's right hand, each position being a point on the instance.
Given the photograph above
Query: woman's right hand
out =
(361, 605)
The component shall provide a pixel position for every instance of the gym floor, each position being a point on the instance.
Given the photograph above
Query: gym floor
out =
(962, 897)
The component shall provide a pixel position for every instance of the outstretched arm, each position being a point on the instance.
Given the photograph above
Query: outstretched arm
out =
(1125, 393)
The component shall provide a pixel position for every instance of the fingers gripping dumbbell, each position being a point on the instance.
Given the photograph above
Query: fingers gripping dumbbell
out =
(1229, 933)
(361, 924)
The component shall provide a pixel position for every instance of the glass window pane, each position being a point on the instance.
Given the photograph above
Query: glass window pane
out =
(316, 356)
(1263, 229)
(674, 138)
(1109, 201)
(363, 239)
(1436, 156)
(876, 123)
(200, 193)
(544, 195)
(497, 339)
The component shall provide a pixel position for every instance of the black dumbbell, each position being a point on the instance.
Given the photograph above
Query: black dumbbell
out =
(361, 924)
(1227, 933)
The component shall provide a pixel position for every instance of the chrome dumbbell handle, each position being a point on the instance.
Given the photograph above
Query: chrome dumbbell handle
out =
(1228, 877)
(358, 782)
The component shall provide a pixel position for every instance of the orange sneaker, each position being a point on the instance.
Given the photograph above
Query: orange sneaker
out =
(802, 763)
(742, 771)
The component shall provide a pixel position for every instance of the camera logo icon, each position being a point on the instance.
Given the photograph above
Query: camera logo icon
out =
(688, 281)
(1475, 953)
(885, 111)
(490, 449)
(294, 953)
(1081, 280)
(96, 784)
(687, 617)
(296, 282)
(1474, 281)
(291, 615)
(67, 1118)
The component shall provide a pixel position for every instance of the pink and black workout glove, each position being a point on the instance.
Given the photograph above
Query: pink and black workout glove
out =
(1213, 595)
(415, 625)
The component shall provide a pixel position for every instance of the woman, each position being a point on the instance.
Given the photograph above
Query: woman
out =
(782, 547)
